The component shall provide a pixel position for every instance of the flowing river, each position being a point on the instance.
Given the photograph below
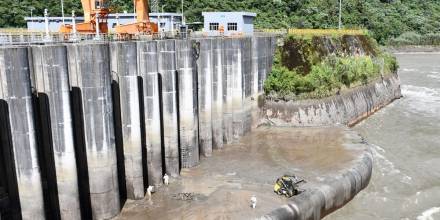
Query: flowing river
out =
(405, 140)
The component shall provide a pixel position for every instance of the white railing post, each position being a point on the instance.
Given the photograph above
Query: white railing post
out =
(74, 37)
(46, 25)
(97, 36)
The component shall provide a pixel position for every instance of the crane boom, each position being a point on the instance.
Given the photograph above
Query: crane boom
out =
(95, 11)
(87, 8)
(142, 24)
(142, 11)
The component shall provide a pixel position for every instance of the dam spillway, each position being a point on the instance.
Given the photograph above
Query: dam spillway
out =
(86, 126)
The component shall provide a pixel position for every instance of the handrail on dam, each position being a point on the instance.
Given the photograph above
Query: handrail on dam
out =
(92, 124)
(33, 38)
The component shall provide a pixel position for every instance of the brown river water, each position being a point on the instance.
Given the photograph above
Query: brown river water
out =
(405, 139)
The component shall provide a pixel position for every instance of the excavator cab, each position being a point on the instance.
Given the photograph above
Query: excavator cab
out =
(288, 185)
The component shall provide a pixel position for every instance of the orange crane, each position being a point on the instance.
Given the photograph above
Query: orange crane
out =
(142, 24)
(95, 11)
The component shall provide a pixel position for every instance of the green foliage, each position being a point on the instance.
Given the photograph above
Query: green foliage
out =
(332, 74)
(413, 38)
(385, 19)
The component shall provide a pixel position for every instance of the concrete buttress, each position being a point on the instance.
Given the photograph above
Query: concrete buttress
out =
(15, 90)
(89, 72)
(227, 90)
(217, 93)
(187, 89)
(148, 71)
(168, 74)
(124, 71)
(204, 72)
(50, 72)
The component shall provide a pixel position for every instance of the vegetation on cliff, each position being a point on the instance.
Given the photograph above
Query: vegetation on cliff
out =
(320, 66)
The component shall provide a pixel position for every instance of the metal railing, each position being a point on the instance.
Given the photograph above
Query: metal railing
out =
(31, 38)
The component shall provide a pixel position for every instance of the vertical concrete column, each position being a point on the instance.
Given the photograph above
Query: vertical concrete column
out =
(273, 46)
(124, 66)
(15, 90)
(217, 93)
(187, 89)
(89, 72)
(262, 62)
(254, 71)
(147, 69)
(228, 54)
(50, 72)
(238, 89)
(246, 48)
(204, 72)
(167, 71)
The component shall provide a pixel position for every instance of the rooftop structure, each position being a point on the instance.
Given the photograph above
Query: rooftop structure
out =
(168, 21)
(229, 23)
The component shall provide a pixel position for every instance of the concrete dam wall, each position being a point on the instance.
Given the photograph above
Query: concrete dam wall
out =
(347, 108)
(86, 126)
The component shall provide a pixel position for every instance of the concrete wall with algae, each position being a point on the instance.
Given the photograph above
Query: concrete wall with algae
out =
(347, 108)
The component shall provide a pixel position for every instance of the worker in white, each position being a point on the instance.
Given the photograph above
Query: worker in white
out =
(166, 179)
(150, 189)
(253, 201)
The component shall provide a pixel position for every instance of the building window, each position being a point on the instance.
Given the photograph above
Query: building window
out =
(232, 26)
(213, 26)
(162, 24)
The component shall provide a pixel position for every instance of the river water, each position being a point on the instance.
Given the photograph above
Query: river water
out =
(405, 139)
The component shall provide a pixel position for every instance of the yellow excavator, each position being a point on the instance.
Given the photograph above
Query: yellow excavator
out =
(97, 11)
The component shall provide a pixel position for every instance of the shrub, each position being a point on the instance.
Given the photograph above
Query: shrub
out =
(327, 77)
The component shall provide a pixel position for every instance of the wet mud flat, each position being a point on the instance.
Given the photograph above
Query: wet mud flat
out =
(222, 185)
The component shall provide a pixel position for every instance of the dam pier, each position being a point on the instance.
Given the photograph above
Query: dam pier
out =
(86, 126)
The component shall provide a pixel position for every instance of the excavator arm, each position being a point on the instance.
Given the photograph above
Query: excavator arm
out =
(95, 11)
(142, 24)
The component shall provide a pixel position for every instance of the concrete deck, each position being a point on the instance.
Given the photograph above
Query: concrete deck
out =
(222, 186)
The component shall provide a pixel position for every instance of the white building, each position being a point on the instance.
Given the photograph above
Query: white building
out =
(230, 23)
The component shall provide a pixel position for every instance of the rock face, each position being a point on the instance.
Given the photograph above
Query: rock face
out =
(347, 108)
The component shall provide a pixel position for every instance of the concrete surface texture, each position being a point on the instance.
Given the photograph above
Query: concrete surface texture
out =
(89, 72)
(348, 108)
(227, 90)
(166, 51)
(188, 109)
(124, 71)
(15, 90)
(217, 93)
(334, 161)
(51, 82)
(204, 72)
(148, 71)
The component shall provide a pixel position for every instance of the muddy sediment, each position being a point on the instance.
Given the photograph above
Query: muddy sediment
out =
(222, 187)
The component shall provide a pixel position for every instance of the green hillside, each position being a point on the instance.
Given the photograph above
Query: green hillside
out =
(384, 18)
